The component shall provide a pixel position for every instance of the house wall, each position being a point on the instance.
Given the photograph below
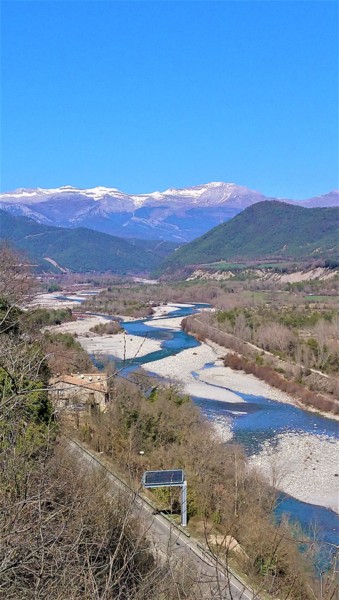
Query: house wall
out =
(66, 395)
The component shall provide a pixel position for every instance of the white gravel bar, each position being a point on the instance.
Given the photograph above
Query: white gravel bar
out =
(215, 383)
(244, 383)
(303, 465)
(170, 323)
(164, 309)
(120, 345)
(50, 300)
(80, 327)
(185, 369)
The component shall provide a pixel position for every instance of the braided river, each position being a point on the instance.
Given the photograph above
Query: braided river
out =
(255, 421)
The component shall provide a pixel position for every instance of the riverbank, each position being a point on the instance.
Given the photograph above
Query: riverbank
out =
(199, 381)
(311, 389)
(184, 369)
(51, 300)
(119, 345)
(302, 465)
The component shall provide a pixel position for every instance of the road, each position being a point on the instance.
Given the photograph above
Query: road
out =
(216, 580)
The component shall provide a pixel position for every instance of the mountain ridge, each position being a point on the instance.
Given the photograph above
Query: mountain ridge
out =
(176, 214)
(80, 249)
(265, 230)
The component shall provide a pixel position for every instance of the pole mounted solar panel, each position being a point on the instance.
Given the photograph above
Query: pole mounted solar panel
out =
(171, 477)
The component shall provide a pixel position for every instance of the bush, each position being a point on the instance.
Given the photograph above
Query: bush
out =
(273, 378)
(110, 328)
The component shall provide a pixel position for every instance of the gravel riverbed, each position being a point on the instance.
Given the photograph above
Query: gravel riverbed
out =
(303, 465)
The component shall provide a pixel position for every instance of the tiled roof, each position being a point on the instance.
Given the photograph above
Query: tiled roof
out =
(91, 381)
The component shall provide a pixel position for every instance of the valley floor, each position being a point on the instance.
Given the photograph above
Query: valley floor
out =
(302, 465)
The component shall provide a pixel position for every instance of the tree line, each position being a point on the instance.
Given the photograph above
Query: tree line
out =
(163, 429)
(241, 355)
(62, 533)
(63, 536)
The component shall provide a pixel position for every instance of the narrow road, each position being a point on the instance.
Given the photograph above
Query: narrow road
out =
(217, 581)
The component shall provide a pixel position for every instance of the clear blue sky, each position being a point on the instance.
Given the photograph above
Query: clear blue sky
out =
(150, 95)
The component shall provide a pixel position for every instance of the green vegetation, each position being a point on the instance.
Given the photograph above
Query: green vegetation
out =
(81, 250)
(224, 497)
(117, 300)
(65, 354)
(43, 317)
(62, 534)
(110, 328)
(53, 287)
(57, 518)
(314, 298)
(266, 230)
(129, 299)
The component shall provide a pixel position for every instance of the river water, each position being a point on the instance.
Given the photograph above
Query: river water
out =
(254, 420)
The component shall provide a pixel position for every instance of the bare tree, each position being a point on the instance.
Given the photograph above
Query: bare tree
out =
(16, 285)
(69, 537)
(323, 334)
(275, 336)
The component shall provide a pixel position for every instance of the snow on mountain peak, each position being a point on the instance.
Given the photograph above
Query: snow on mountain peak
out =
(96, 192)
(218, 184)
(38, 195)
(174, 214)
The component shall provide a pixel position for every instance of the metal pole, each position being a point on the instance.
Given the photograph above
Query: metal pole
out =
(184, 504)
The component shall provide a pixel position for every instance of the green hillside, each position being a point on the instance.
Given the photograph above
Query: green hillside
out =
(267, 229)
(80, 250)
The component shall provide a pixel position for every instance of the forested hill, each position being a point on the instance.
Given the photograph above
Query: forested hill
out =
(80, 250)
(263, 230)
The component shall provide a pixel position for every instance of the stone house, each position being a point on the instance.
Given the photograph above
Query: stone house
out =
(88, 391)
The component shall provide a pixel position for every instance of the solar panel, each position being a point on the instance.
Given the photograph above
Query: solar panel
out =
(170, 477)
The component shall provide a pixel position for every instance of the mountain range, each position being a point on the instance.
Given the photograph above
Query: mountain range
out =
(59, 249)
(266, 230)
(177, 215)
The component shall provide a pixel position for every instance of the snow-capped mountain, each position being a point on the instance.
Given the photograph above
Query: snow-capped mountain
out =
(178, 215)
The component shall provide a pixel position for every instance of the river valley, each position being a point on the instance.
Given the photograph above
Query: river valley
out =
(296, 450)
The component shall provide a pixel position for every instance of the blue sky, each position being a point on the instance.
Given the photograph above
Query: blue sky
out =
(149, 95)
